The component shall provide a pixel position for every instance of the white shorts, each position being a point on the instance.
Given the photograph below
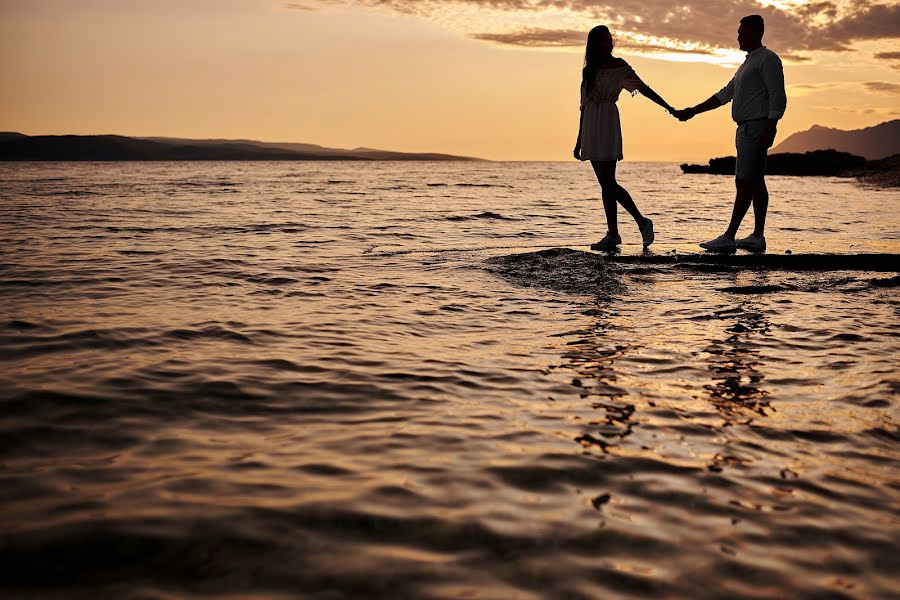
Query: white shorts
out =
(751, 154)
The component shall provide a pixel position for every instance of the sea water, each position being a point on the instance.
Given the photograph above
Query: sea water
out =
(379, 380)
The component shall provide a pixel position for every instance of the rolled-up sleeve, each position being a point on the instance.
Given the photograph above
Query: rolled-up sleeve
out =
(773, 78)
(726, 94)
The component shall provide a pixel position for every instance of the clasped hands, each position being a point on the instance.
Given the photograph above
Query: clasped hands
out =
(685, 114)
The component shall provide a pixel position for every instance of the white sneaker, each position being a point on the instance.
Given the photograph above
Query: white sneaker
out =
(751, 242)
(647, 232)
(609, 242)
(720, 244)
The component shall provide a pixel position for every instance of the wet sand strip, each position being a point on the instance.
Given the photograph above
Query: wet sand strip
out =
(785, 262)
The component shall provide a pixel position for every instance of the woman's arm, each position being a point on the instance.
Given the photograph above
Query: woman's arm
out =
(577, 151)
(651, 95)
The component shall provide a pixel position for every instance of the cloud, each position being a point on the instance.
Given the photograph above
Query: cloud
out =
(535, 37)
(796, 90)
(868, 22)
(888, 55)
(531, 37)
(314, 5)
(694, 26)
(817, 86)
(882, 87)
(842, 88)
(788, 56)
(882, 112)
(822, 25)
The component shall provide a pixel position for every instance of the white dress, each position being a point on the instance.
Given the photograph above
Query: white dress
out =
(601, 133)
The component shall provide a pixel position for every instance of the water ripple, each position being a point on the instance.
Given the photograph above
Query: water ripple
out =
(403, 381)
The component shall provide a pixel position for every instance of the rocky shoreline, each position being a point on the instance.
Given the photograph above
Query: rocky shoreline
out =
(881, 173)
(884, 172)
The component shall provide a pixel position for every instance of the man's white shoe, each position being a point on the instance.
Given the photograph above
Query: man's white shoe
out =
(752, 242)
(720, 244)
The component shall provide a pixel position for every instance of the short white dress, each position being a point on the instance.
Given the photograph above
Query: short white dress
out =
(601, 132)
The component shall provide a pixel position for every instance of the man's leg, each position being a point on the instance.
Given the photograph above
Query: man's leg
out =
(744, 196)
(750, 173)
(760, 206)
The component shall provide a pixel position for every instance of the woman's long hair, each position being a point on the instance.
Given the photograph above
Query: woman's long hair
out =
(594, 55)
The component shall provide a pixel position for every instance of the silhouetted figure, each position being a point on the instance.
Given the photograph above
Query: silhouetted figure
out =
(600, 134)
(758, 102)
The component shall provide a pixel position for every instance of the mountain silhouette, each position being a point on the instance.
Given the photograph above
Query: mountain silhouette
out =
(872, 143)
(16, 146)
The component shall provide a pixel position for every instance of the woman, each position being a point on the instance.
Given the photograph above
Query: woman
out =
(600, 134)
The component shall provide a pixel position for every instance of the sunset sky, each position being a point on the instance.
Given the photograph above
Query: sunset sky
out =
(491, 78)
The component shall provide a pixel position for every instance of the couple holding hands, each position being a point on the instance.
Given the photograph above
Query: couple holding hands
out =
(758, 102)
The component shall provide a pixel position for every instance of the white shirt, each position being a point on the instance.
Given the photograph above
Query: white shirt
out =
(757, 88)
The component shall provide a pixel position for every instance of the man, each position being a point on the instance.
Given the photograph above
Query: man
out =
(758, 102)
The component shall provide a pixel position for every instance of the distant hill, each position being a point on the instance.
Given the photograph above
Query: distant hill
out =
(9, 135)
(318, 152)
(16, 146)
(872, 143)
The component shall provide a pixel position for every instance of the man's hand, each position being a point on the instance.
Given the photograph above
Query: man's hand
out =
(767, 137)
(685, 114)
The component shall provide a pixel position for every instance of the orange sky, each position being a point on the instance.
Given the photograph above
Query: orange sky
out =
(457, 77)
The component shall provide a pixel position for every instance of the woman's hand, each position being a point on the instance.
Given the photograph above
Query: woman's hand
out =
(685, 114)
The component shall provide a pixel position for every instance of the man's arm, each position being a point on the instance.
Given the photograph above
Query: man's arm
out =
(722, 97)
(773, 79)
(709, 104)
(768, 136)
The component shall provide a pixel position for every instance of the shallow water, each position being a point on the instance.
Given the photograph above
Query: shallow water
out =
(350, 380)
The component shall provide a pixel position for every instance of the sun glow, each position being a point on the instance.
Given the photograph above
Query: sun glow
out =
(467, 78)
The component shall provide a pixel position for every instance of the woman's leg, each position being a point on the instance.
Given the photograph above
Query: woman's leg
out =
(606, 175)
(602, 170)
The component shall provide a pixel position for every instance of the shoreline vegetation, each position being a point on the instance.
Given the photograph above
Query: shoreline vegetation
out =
(20, 147)
(86, 148)
(884, 172)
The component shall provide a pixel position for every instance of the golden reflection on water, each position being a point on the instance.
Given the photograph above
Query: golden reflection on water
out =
(290, 404)
(733, 349)
(737, 388)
